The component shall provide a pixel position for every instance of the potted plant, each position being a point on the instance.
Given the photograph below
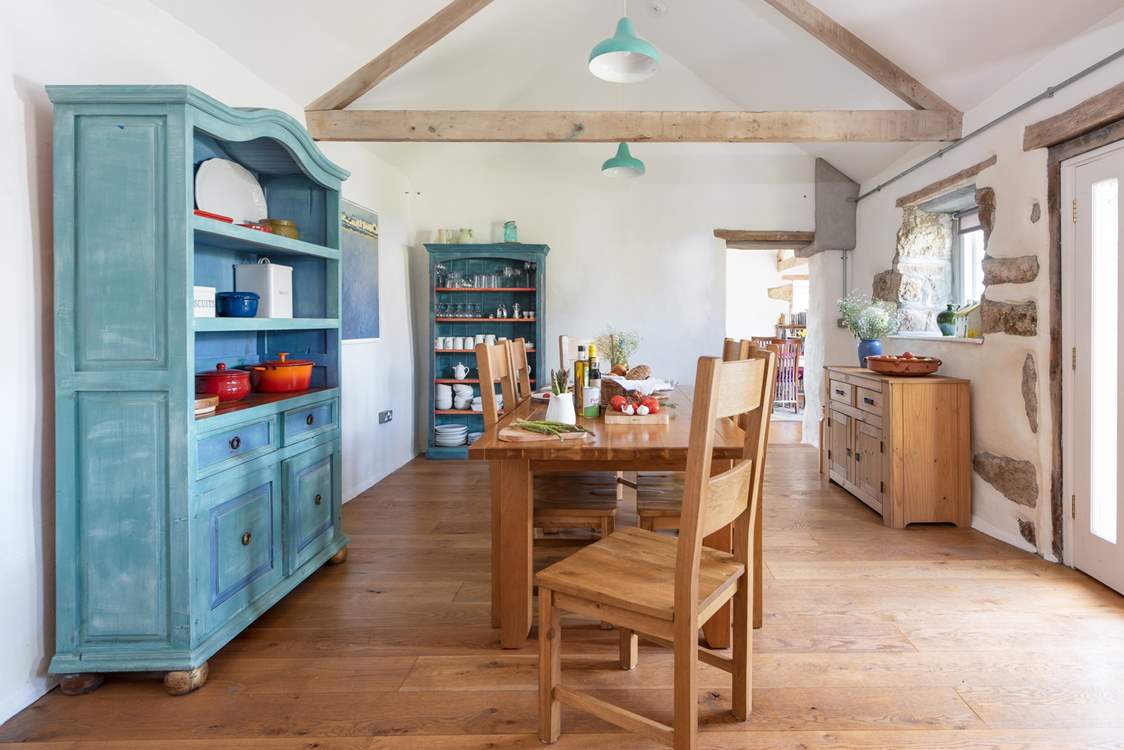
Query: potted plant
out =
(620, 346)
(868, 320)
(560, 407)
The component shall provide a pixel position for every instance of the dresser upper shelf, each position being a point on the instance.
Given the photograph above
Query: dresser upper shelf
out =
(233, 237)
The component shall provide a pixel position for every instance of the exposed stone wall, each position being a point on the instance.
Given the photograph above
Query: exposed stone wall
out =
(920, 281)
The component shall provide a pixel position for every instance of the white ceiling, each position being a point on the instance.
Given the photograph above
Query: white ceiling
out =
(719, 54)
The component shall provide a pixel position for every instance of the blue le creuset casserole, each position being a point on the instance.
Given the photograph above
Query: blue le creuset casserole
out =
(236, 304)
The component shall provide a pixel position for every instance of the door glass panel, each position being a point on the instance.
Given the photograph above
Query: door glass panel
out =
(1103, 364)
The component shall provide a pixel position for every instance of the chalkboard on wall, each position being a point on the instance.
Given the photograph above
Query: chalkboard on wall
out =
(359, 242)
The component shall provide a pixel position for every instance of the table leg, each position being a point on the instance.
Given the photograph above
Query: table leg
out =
(716, 631)
(515, 557)
(494, 475)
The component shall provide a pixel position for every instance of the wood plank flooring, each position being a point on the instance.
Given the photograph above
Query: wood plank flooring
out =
(931, 637)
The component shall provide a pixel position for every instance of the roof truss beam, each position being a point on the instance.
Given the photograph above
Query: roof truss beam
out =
(833, 126)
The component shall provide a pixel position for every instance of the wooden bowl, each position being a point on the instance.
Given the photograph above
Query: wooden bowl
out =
(913, 367)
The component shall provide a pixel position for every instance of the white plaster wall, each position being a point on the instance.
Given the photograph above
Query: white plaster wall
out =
(750, 274)
(129, 41)
(635, 254)
(995, 368)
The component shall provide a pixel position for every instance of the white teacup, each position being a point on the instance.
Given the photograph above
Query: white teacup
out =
(490, 339)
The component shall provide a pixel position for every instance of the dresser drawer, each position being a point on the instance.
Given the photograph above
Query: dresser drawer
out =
(225, 448)
(311, 486)
(310, 421)
(243, 537)
(841, 392)
(868, 400)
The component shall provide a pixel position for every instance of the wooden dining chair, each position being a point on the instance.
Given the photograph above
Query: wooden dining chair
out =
(659, 494)
(520, 368)
(666, 588)
(585, 500)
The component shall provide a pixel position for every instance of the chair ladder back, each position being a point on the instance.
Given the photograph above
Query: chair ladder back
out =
(756, 426)
(493, 362)
(727, 496)
(520, 369)
(568, 351)
(733, 350)
(739, 390)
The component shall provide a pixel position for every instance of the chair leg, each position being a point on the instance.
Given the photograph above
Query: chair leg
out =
(550, 667)
(686, 722)
(743, 649)
(630, 649)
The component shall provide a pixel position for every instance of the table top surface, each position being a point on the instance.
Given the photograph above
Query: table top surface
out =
(610, 442)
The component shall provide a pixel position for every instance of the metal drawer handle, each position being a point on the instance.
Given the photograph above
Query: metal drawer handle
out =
(839, 392)
(317, 499)
(247, 537)
(235, 443)
(309, 420)
(858, 456)
(868, 400)
(848, 451)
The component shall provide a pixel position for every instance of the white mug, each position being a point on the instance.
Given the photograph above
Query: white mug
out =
(449, 341)
(479, 338)
(459, 343)
(438, 342)
(490, 339)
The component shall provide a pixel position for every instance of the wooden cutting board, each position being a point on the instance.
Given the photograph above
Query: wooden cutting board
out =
(616, 417)
(205, 404)
(517, 435)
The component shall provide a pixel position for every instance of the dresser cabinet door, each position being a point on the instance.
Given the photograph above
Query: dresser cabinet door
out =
(840, 442)
(241, 521)
(311, 506)
(868, 462)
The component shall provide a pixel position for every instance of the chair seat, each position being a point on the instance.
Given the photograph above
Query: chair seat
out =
(634, 570)
(588, 493)
(659, 495)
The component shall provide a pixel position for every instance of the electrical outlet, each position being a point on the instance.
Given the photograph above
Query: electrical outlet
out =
(386, 416)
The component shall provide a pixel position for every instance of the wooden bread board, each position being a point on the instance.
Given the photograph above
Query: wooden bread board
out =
(205, 404)
(517, 435)
(616, 417)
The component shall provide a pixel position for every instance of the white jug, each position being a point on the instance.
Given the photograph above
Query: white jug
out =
(460, 372)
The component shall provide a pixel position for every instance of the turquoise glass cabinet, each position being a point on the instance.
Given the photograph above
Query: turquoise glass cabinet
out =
(174, 532)
(471, 286)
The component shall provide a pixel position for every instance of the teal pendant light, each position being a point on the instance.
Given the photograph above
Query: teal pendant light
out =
(624, 57)
(624, 164)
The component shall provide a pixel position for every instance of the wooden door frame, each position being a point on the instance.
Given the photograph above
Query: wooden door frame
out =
(1058, 153)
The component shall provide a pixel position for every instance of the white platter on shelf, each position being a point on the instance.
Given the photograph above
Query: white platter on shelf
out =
(226, 187)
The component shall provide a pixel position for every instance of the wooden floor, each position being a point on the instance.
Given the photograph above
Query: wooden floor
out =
(873, 638)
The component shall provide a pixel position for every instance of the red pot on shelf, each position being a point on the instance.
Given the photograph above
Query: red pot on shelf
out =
(282, 375)
(228, 385)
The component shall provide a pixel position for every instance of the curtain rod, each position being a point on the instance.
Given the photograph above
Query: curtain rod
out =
(1047, 94)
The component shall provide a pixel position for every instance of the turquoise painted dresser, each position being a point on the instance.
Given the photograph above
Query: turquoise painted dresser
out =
(174, 532)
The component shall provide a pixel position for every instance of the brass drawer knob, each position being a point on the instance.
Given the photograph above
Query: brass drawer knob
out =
(235, 443)
(868, 400)
(247, 537)
(318, 500)
(309, 420)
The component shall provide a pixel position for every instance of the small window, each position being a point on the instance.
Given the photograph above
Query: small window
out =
(967, 258)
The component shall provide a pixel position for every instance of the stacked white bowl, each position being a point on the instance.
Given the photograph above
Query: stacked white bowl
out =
(477, 403)
(443, 397)
(449, 435)
(462, 396)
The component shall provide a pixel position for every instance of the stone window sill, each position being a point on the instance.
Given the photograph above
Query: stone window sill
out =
(926, 336)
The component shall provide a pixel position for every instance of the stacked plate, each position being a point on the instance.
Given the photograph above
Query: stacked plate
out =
(449, 435)
(474, 436)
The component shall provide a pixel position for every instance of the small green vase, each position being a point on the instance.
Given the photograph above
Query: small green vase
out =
(946, 321)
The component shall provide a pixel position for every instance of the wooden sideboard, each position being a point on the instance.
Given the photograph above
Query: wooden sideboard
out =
(901, 445)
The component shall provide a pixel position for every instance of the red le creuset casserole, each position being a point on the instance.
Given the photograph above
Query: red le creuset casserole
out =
(282, 375)
(228, 385)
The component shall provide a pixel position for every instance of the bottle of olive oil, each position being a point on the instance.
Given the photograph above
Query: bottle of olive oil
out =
(579, 371)
(594, 369)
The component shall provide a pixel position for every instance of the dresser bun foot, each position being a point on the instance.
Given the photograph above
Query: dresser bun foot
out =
(339, 557)
(182, 683)
(81, 683)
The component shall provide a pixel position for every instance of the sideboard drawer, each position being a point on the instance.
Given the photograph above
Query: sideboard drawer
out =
(841, 392)
(311, 483)
(243, 532)
(229, 447)
(868, 400)
(310, 421)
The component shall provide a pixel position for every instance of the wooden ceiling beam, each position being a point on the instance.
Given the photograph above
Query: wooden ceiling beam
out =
(833, 126)
(860, 54)
(401, 52)
(1095, 112)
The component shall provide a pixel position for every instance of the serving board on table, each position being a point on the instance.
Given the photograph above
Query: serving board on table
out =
(518, 435)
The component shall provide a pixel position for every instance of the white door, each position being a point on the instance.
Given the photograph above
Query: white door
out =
(1093, 215)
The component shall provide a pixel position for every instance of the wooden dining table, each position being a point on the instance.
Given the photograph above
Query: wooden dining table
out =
(610, 448)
